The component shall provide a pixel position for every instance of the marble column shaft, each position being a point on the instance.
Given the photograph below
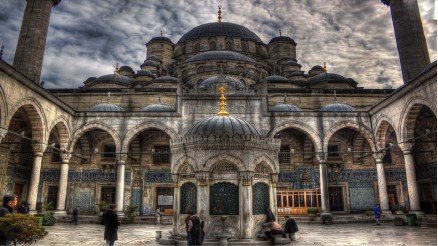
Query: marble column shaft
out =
(63, 181)
(32, 193)
(411, 178)
(120, 186)
(323, 184)
(381, 183)
(246, 205)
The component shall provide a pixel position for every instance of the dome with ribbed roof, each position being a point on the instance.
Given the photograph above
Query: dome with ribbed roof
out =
(220, 55)
(160, 39)
(232, 82)
(150, 63)
(337, 107)
(158, 107)
(106, 107)
(216, 29)
(113, 78)
(283, 39)
(331, 78)
(276, 78)
(223, 126)
(144, 72)
(284, 107)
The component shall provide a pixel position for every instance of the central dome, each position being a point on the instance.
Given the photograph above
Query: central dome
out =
(215, 29)
(223, 126)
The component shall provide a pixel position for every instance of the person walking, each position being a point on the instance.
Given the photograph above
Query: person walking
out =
(75, 215)
(195, 229)
(377, 212)
(23, 208)
(9, 202)
(111, 222)
(158, 214)
(290, 227)
(187, 229)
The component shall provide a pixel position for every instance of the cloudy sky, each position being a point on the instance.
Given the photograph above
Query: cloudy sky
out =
(88, 37)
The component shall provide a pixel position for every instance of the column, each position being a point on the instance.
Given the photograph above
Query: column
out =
(323, 183)
(175, 178)
(63, 181)
(246, 218)
(203, 203)
(120, 186)
(411, 178)
(4, 156)
(3, 133)
(32, 193)
(381, 182)
(273, 194)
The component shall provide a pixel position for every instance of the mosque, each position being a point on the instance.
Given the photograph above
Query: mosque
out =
(221, 124)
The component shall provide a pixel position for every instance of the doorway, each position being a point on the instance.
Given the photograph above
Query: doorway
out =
(336, 198)
(52, 196)
(108, 194)
(18, 191)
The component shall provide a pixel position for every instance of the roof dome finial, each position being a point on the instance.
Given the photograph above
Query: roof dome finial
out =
(325, 67)
(279, 31)
(222, 102)
(161, 32)
(219, 13)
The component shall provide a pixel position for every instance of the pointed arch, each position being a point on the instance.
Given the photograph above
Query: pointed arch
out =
(36, 115)
(95, 125)
(364, 130)
(300, 126)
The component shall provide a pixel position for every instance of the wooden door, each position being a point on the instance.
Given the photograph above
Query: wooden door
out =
(336, 198)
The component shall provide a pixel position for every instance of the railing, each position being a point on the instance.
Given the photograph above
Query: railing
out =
(160, 158)
(284, 157)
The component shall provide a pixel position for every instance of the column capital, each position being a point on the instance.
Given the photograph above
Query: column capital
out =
(274, 178)
(321, 157)
(378, 156)
(175, 179)
(202, 178)
(38, 148)
(121, 159)
(246, 177)
(406, 147)
(65, 156)
(3, 133)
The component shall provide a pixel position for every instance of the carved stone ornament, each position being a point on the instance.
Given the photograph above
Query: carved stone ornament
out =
(379, 156)
(175, 179)
(38, 148)
(274, 178)
(121, 158)
(202, 178)
(65, 157)
(321, 157)
(246, 178)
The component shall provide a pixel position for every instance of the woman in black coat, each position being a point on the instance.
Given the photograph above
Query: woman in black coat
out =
(111, 222)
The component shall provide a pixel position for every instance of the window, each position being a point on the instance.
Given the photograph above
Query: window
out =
(212, 45)
(109, 150)
(196, 47)
(244, 47)
(284, 155)
(164, 198)
(224, 199)
(333, 150)
(161, 154)
(188, 199)
(228, 45)
(108, 194)
(260, 198)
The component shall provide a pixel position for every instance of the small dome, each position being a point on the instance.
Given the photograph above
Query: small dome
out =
(224, 29)
(160, 39)
(330, 78)
(290, 62)
(158, 107)
(283, 39)
(89, 80)
(232, 82)
(223, 126)
(113, 78)
(220, 55)
(150, 63)
(283, 107)
(166, 79)
(153, 58)
(106, 107)
(337, 107)
(144, 72)
(318, 68)
(276, 78)
(126, 69)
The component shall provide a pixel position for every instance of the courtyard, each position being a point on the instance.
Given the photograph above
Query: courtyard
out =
(309, 234)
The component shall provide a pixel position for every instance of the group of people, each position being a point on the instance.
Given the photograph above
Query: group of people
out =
(273, 228)
(195, 229)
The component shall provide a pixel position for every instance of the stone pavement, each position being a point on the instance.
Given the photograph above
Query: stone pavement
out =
(310, 234)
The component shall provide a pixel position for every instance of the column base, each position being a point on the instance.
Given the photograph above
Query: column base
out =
(325, 213)
(386, 212)
(417, 212)
(60, 213)
(120, 214)
(32, 212)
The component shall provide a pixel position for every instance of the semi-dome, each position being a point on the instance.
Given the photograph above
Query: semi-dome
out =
(160, 39)
(166, 78)
(223, 126)
(224, 29)
(276, 78)
(220, 55)
(337, 107)
(158, 107)
(113, 78)
(149, 62)
(232, 82)
(106, 107)
(331, 78)
(284, 107)
(283, 39)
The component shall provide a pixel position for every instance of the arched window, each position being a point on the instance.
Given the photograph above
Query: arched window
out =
(228, 45)
(244, 47)
(212, 45)
(260, 198)
(196, 47)
(188, 199)
(224, 199)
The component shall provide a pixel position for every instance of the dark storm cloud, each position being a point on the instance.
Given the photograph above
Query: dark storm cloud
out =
(87, 38)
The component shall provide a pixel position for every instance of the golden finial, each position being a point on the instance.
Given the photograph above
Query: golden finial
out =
(222, 104)
(219, 13)
(116, 69)
(325, 67)
(161, 32)
(279, 31)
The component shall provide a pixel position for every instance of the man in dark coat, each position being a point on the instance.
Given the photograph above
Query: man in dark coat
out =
(111, 222)
(24, 208)
(290, 227)
(75, 215)
(195, 229)
(9, 202)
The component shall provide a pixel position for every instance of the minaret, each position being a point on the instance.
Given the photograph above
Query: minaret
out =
(32, 40)
(409, 35)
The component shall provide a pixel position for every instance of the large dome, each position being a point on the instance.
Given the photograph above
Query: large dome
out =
(223, 126)
(220, 55)
(232, 82)
(225, 29)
